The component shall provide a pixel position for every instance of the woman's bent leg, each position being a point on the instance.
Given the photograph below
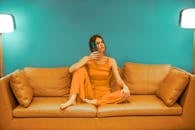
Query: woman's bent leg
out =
(80, 86)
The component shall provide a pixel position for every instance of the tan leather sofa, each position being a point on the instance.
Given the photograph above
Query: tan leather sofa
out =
(151, 106)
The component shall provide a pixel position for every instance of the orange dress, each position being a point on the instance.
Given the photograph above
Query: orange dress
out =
(93, 82)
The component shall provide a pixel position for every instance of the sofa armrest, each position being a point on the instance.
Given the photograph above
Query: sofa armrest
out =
(187, 101)
(7, 102)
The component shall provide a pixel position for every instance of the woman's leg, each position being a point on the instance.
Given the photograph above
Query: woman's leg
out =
(93, 101)
(80, 87)
(114, 97)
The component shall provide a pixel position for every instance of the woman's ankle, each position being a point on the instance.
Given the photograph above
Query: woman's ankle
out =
(93, 101)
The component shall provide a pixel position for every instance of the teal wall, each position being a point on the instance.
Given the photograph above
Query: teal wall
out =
(53, 33)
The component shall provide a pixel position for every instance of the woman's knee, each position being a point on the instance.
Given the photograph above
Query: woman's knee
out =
(81, 70)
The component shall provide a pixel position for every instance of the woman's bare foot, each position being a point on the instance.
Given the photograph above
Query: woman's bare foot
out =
(70, 102)
(67, 104)
(94, 101)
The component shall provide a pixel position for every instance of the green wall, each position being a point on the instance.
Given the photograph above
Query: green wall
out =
(53, 33)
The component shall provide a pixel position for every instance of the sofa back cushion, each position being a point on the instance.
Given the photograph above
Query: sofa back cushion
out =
(172, 87)
(144, 78)
(49, 81)
(21, 88)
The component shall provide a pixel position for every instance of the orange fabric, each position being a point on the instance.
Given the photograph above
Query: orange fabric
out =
(81, 84)
(93, 82)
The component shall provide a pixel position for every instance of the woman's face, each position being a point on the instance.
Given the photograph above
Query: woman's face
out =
(100, 45)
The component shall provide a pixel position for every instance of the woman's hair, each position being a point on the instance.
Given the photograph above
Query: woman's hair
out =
(92, 40)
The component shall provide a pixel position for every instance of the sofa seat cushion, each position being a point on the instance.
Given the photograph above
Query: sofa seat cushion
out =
(50, 107)
(139, 105)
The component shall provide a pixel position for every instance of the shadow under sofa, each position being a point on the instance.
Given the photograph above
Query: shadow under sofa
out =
(143, 112)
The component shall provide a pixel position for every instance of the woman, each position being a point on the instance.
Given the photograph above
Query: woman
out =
(91, 78)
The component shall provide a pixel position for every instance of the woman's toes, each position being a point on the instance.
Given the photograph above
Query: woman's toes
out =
(65, 105)
(62, 106)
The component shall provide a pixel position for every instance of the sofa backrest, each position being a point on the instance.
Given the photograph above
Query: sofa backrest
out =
(144, 78)
(49, 81)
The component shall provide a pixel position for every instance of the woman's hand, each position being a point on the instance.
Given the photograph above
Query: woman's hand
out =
(94, 55)
(125, 92)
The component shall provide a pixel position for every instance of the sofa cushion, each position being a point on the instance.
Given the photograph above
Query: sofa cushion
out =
(172, 87)
(49, 81)
(50, 107)
(144, 78)
(139, 105)
(21, 88)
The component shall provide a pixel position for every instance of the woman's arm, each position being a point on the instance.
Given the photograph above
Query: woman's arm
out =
(79, 64)
(116, 72)
(83, 61)
(125, 91)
